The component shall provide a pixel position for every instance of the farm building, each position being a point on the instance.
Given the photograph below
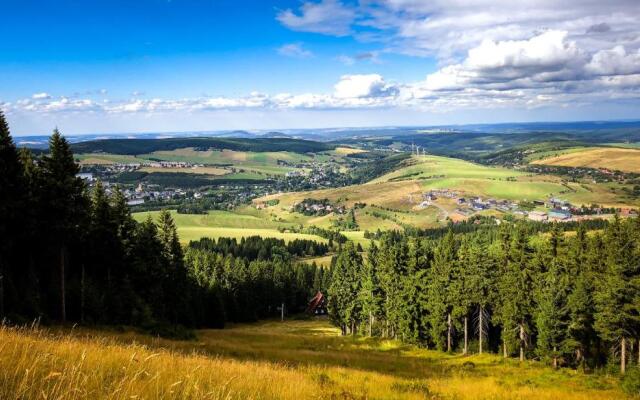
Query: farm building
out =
(317, 305)
(559, 214)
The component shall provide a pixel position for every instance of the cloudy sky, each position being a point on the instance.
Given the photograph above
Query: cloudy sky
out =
(99, 66)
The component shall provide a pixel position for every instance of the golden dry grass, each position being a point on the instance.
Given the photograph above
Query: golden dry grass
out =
(611, 158)
(193, 170)
(389, 194)
(270, 360)
(344, 151)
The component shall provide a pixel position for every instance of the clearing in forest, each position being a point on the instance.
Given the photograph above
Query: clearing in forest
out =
(269, 360)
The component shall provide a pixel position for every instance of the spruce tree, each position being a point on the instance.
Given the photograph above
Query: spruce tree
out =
(515, 288)
(12, 190)
(440, 295)
(616, 317)
(551, 312)
(370, 293)
(66, 205)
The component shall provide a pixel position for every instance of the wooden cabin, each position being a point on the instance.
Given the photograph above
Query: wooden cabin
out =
(317, 305)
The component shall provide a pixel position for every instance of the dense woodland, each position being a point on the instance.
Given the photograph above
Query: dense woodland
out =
(571, 299)
(68, 254)
(143, 146)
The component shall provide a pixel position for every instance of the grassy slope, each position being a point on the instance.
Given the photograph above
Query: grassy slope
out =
(217, 224)
(195, 170)
(271, 360)
(105, 159)
(612, 158)
(474, 179)
(402, 189)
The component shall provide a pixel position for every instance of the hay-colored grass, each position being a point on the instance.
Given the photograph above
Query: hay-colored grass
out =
(257, 162)
(627, 160)
(345, 151)
(108, 159)
(269, 360)
(216, 224)
(194, 170)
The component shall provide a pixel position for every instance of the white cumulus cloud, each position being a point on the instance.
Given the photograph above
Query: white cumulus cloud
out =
(329, 17)
(358, 86)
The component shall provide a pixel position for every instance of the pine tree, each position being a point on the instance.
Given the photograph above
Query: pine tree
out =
(66, 204)
(392, 265)
(551, 312)
(473, 287)
(439, 291)
(616, 316)
(371, 292)
(12, 190)
(580, 307)
(345, 280)
(176, 293)
(515, 287)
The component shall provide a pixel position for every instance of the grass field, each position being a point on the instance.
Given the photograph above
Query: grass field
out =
(269, 360)
(237, 225)
(195, 170)
(427, 167)
(627, 160)
(257, 162)
(348, 150)
(106, 159)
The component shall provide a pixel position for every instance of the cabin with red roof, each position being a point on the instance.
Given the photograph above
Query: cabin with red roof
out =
(317, 305)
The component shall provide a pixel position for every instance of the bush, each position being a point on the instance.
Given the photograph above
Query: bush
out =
(631, 382)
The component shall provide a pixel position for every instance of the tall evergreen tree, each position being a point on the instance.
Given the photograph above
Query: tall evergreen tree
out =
(551, 312)
(440, 292)
(344, 307)
(515, 288)
(12, 190)
(66, 205)
(616, 317)
(371, 292)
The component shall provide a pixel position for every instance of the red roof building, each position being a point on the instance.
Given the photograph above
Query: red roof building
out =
(317, 305)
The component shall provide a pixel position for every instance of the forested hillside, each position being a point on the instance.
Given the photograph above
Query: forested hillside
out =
(142, 146)
(572, 300)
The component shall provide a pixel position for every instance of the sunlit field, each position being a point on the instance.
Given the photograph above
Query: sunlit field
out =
(216, 224)
(270, 360)
(612, 158)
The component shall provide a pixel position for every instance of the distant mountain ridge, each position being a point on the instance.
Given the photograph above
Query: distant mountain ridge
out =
(580, 130)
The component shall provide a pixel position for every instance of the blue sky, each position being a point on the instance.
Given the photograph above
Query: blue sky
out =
(151, 65)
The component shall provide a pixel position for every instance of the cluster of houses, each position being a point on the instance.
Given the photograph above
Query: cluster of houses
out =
(129, 167)
(142, 193)
(434, 194)
(319, 208)
(467, 206)
(150, 192)
(556, 209)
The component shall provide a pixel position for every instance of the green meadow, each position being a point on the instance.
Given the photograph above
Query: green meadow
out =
(217, 224)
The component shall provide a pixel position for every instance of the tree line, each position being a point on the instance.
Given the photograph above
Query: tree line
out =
(572, 299)
(242, 284)
(258, 248)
